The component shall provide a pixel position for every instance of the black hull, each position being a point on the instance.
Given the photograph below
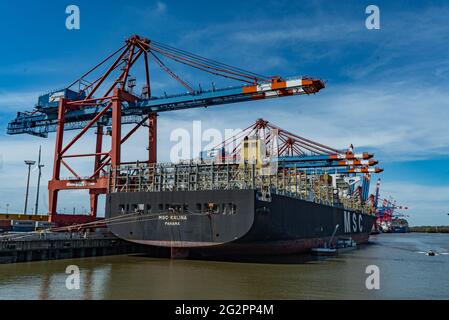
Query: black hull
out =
(241, 224)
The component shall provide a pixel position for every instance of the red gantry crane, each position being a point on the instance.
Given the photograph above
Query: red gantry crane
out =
(386, 209)
(290, 150)
(296, 151)
(106, 99)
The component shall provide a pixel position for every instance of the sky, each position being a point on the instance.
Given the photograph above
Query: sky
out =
(386, 90)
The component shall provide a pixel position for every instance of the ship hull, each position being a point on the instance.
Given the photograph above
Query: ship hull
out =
(231, 222)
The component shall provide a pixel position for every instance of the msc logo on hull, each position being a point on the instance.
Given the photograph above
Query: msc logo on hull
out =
(353, 222)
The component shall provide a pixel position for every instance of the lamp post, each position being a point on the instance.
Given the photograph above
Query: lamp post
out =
(39, 167)
(29, 163)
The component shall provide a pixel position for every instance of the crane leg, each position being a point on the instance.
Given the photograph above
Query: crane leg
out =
(94, 195)
(93, 204)
(116, 129)
(53, 203)
(152, 138)
(52, 189)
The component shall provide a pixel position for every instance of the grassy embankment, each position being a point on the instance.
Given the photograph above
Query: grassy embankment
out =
(430, 229)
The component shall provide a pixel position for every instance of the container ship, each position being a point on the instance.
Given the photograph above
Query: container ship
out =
(198, 206)
(389, 219)
(396, 225)
(246, 207)
(399, 226)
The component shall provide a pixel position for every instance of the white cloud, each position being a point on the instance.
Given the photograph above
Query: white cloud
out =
(142, 14)
(11, 101)
(404, 45)
(161, 7)
(401, 121)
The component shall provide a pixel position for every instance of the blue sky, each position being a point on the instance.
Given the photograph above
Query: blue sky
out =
(387, 89)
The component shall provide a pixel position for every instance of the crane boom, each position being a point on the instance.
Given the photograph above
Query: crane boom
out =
(44, 118)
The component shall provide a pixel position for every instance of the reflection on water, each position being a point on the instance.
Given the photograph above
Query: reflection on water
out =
(404, 274)
(45, 288)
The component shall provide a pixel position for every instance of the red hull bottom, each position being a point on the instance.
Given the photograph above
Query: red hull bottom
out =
(257, 248)
(272, 248)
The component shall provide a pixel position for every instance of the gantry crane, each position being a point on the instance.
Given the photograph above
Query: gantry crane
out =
(292, 150)
(386, 209)
(100, 99)
(289, 150)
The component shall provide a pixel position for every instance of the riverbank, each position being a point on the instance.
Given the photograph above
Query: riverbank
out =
(398, 257)
(430, 229)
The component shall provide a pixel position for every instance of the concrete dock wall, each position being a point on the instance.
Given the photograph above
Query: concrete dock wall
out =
(63, 246)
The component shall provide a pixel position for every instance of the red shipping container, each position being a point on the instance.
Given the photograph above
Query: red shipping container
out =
(5, 223)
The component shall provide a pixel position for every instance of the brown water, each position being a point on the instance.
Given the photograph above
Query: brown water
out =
(404, 274)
